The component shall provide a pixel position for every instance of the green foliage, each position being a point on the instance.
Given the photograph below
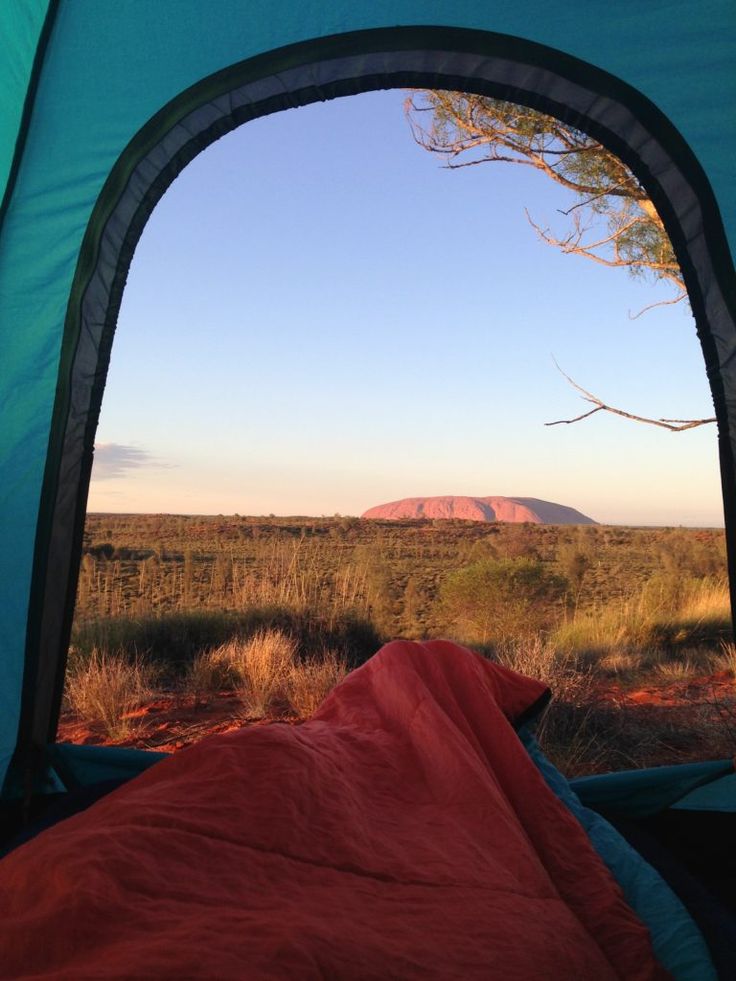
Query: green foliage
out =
(350, 590)
(377, 572)
(574, 560)
(613, 220)
(496, 599)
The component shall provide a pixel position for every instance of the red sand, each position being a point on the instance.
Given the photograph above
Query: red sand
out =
(696, 717)
(168, 723)
(174, 721)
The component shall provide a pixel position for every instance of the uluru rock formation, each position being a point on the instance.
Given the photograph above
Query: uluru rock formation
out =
(510, 509)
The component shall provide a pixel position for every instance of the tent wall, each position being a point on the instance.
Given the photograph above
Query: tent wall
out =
(21, 26)
(128, 92)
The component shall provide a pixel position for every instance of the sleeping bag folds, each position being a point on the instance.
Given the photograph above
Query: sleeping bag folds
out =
(403, 832)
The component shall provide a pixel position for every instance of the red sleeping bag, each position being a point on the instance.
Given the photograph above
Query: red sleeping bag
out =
(403, 832)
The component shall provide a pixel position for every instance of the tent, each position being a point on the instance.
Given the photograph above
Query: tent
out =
(103, 104)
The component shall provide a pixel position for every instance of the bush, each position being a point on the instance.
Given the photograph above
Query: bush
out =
(500, 599)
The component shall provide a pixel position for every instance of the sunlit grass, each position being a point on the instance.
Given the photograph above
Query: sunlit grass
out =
(106, 688)
(258, 668)
(661, 616)
(267, 674)
(311, 682)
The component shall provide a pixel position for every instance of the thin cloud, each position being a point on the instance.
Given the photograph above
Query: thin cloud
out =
(117, 460)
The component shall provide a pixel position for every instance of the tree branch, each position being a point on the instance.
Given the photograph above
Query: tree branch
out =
(660, 303)
(673, 425)
(573, 244)
(613, 222)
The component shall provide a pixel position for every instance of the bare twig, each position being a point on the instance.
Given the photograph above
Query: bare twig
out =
(594, 197)
(660, 303)
(673, 425)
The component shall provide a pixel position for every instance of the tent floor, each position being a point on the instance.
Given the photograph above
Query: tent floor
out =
(693, 852)
(18, 825)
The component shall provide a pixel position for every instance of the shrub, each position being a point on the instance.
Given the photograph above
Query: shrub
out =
(499, 599)
(574, 562)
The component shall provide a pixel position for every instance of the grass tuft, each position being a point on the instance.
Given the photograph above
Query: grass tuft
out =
(107, 688)
(619, 663)
(259, 668)
(538, 657)
(676, 670)
(311, 682)
(726, 660)
(211, 672)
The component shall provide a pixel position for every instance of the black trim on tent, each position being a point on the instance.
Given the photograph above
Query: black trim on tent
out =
(423, 57)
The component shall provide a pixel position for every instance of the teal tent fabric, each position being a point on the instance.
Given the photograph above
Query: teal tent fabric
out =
(21, 25)
(678, 944)
(719, 795)
(83, 766)
(105, 103)
(642, 793)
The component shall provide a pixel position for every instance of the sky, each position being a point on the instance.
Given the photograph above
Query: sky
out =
(320, 318)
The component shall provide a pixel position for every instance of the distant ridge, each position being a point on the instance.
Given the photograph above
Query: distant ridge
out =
(508, 509)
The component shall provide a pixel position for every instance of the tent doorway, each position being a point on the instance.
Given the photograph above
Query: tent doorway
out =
(424, 57)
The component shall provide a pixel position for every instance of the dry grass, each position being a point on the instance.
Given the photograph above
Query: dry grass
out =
(107, 688)
(211, 672)
(726, 660)
(664, 615)
(705, 600)
(258, 668)
(578, 732)
(619, 663)
(676, 670)
(265, 671)
(570, 736)
(310, 683)
(190, 592)
(538, 657)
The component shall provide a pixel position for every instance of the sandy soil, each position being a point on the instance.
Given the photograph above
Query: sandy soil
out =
(700, 712)
(696, 716)
(169, 722)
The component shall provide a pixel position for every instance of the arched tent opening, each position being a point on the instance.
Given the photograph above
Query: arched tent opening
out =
(479, 62)
(55, 377)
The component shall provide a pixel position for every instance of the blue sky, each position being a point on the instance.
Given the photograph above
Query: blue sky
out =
(320, 318)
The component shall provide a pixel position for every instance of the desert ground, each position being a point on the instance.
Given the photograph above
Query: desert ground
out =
(189, 625)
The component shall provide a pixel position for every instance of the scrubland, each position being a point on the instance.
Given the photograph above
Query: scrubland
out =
(630, 627)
